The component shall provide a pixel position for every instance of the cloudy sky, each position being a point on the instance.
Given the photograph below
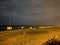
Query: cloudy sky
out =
(30, 12)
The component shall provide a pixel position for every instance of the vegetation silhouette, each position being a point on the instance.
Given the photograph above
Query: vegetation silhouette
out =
(52, 41)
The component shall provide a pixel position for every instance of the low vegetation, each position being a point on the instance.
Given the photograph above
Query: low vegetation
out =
(52, 42)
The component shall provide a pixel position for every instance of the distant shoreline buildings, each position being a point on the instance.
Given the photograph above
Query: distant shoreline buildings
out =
(18, 27)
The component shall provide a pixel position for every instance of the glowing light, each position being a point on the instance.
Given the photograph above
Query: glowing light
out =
(9, 28)
(30, 27)
(22, 27)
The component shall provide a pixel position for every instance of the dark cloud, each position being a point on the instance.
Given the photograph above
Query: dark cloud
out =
(3, 0)
(4, 20)
(31, 11)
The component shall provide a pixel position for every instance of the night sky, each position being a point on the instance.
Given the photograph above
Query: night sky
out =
(30, 12)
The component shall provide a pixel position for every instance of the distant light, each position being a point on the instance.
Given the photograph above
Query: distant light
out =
(42, 27)
(31, 27)
(9, 28)
(22, 27)
(45, 27)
